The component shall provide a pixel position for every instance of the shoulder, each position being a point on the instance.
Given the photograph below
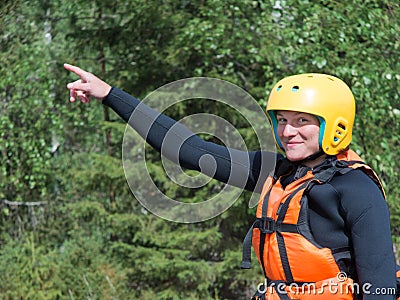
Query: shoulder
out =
(355, 181)
(359, 194)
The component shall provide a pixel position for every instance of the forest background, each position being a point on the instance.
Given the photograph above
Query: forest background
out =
(70, 228)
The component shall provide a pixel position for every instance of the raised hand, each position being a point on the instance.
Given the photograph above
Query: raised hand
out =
(88, 85)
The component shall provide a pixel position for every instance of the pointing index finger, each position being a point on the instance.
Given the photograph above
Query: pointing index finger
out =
(76, 70)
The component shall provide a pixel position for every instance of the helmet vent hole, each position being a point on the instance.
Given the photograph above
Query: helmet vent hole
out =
(279, 88)
(295, 88)
(341, 131)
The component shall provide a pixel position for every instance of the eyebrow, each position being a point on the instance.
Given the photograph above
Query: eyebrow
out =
(297, 113)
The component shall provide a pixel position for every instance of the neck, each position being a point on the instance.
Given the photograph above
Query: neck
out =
(314, 162)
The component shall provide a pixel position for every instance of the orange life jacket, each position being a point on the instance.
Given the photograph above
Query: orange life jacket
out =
(283, 242)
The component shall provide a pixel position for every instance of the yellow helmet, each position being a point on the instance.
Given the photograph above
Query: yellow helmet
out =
(324, 96)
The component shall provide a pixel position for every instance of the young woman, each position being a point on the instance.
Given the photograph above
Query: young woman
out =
(322, 227)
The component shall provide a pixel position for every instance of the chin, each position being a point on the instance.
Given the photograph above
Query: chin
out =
(295, 158)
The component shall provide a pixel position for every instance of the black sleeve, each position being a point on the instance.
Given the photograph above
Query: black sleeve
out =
(242, 169)
(367, 218)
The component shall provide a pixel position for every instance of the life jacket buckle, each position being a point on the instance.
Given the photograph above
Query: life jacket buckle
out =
(267, 225)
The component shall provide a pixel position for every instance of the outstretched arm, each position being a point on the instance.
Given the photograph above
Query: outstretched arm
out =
(175, 141)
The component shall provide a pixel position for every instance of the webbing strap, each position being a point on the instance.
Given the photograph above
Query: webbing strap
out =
(338, 166)
(260, 294)
(265, 224)
(264, 211)
(279, 237)
(269, 225)
(246, 250)
(279, 290)
(283, 296)
(284, 257)
(264, 229)
(285, 205)
(247, 242)
(261, 249)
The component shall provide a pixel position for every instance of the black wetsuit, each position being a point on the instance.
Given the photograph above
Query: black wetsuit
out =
(349, 211)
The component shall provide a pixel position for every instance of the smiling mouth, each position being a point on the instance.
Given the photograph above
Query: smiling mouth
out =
(291, 144)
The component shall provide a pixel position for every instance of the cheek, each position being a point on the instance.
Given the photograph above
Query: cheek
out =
(310, 132)
(314, 136)
(279, 130)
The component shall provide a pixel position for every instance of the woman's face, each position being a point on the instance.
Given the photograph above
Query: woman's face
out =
(298, 133)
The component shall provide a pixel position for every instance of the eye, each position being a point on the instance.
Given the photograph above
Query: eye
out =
(281, 120)
(302, 120)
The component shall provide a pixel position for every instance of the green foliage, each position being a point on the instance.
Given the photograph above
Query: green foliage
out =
(69, 225)
(78, 269)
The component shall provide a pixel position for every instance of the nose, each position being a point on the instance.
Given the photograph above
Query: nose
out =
(289, 131)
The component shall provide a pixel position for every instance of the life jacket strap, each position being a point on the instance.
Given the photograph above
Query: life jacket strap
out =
(277, 285)
(266, 226)
(269, 225)
(326, 173)
(246, 249)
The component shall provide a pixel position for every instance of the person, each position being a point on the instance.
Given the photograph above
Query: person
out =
(322, 225)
